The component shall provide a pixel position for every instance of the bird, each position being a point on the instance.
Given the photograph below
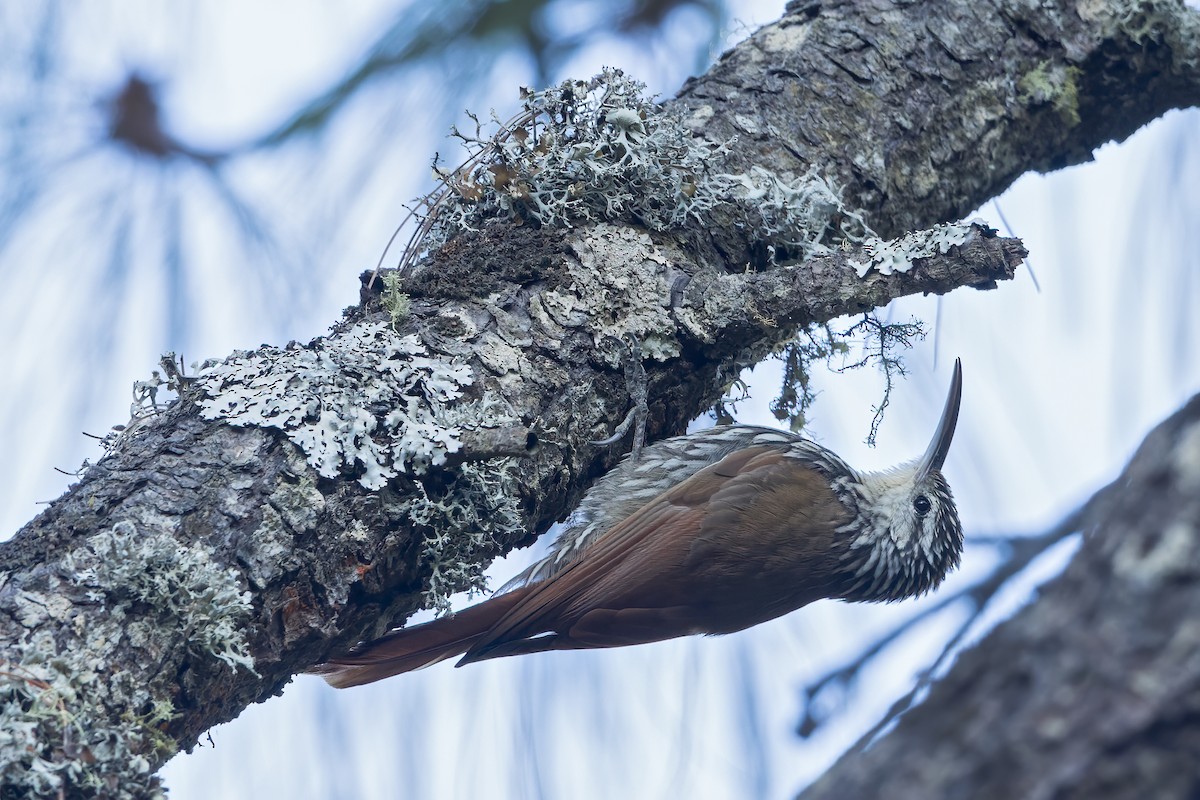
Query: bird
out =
(707, 533)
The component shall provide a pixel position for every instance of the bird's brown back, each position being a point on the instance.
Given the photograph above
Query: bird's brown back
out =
(743, 540)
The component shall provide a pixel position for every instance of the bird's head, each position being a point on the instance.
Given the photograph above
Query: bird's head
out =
(906, 535)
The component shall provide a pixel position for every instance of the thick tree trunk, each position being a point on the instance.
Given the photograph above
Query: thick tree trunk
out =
(200, 565)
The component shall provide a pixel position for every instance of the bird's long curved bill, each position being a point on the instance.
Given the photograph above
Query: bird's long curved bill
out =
(936, 454)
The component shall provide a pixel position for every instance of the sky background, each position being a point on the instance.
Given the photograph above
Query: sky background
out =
(109, 258)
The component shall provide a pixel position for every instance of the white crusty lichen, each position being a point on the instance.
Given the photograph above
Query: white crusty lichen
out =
(899, 255)
(603, 151)
(369, 400)
(179, 582)
(620, 290)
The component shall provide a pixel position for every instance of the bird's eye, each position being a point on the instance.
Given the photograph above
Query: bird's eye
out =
(921, 505)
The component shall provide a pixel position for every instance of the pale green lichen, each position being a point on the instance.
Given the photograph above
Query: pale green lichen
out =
(395, 301)
(56, 731)
(803, 214)
(601, 150)
(70, 717)
(900, 254)
(464, 526)
(180, 582)
(465, 521)
(368, 400)
(1054, 84)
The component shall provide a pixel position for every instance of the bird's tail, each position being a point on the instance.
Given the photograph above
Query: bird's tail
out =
(407, 649)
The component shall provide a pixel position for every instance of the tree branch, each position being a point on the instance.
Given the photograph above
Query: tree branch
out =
(923, 111)
(208, 558)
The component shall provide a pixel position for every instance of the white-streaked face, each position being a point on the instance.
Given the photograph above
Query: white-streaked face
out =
(909, 535)
(900, 506)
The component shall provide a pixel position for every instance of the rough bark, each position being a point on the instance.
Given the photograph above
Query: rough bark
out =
(1091, 692)
(921, 110)
(924, 110)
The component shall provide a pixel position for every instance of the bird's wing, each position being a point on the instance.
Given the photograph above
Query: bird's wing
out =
(646, 549)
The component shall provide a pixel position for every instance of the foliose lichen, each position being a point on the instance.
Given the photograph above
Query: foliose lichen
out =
(901, 253)
(368, 400)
